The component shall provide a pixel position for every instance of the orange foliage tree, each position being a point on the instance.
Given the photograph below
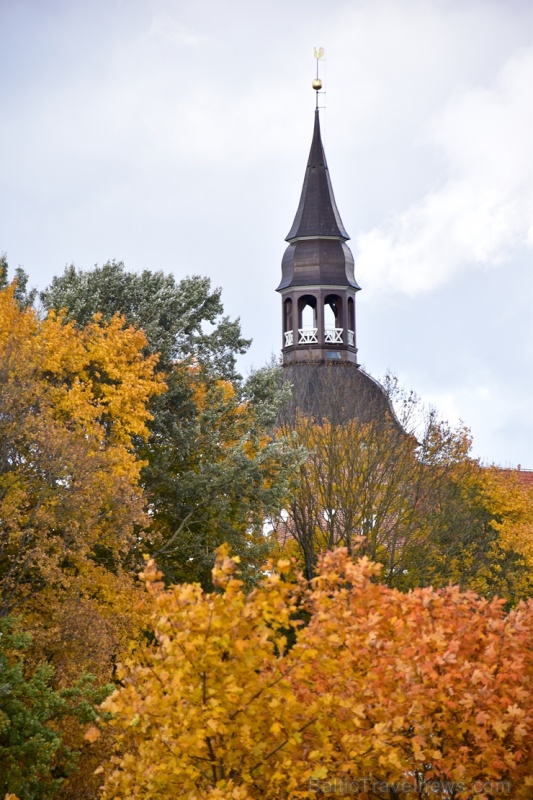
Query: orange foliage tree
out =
(381, 692)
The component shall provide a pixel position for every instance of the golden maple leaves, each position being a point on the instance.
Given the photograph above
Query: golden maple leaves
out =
(429, 685)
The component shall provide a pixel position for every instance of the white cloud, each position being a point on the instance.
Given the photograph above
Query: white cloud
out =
(482, 213)
(165, 27)
(499, 420)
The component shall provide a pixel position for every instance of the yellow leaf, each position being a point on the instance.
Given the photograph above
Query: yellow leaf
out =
(92, 734)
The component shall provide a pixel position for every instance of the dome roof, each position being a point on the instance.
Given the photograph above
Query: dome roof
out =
(337, 393)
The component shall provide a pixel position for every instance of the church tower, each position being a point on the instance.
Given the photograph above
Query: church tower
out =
(318, 289)
(318, 286)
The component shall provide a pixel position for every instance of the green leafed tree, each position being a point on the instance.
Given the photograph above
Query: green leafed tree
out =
(179, 318)
(23, 295)
(215, 468)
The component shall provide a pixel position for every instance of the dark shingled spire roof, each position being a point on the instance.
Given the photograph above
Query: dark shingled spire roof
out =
(317, 213)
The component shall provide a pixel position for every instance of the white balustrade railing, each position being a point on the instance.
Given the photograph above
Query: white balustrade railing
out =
(310, 336)
(307, 336)
(333, 335)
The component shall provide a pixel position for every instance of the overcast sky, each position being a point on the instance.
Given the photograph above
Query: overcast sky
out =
(173, 135)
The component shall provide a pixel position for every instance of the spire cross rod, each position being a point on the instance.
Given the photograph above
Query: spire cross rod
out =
(317, 83)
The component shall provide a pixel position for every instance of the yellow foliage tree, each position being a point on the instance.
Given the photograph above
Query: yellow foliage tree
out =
(508, 495)
(372, 487)
(72, 403)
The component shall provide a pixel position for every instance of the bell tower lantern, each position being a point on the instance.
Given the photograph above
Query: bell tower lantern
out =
(318, 286)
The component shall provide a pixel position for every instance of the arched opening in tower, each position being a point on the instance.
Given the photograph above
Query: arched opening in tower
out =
(351, 322)
(307, 320)
(333, 326)
(287, 323)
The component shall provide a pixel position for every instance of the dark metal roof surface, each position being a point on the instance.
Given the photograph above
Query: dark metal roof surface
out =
(337, 393)
(317, 213)
(317, 261)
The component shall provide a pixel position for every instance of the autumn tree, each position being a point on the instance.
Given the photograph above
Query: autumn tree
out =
(379, 689)
(373, 476)
(509, 496)
(72, 402)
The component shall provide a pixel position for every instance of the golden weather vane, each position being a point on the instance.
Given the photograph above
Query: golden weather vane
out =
(317, 83)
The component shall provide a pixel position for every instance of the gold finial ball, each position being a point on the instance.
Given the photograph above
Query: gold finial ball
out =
(317, 84)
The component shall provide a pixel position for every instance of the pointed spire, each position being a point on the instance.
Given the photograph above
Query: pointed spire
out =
(317, 213)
